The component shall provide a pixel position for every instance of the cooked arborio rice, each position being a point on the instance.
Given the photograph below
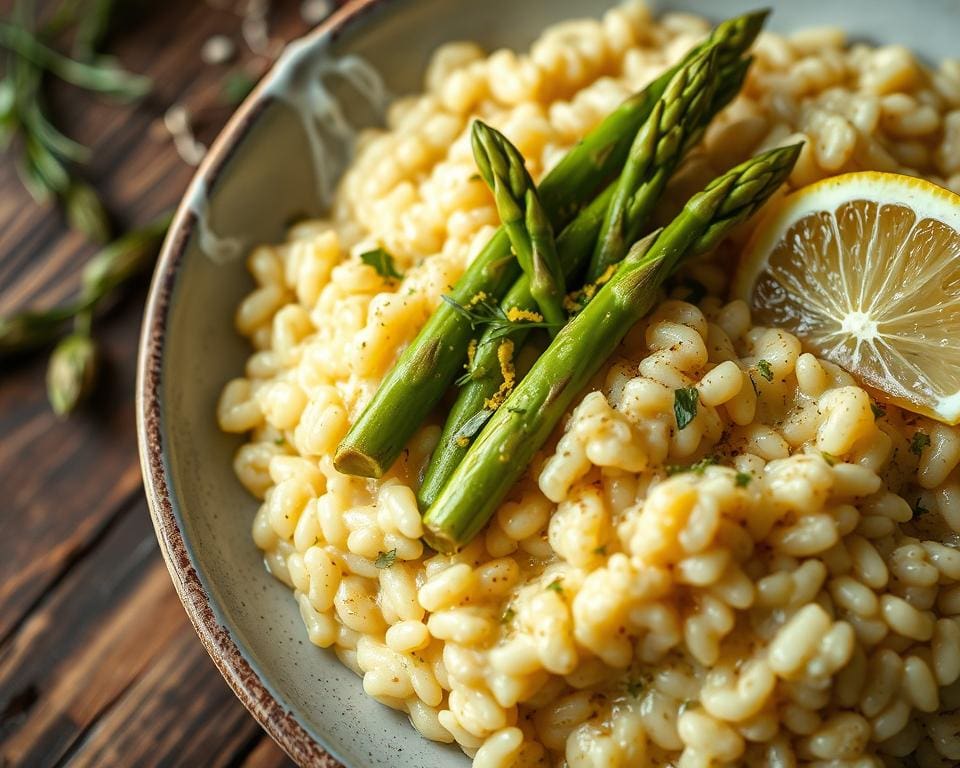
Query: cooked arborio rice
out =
(796, 602)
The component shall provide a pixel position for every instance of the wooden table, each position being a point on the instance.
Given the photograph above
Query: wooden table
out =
(98, 663)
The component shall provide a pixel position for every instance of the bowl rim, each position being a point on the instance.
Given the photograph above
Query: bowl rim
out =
(237, 668)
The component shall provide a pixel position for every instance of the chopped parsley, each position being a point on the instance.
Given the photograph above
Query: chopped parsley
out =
(698, 468)
(685, 403)
(829, 458)
(280, 440)
(742, 480)
(385, 559)
(601, 550)
(765, 369)
(635, 687)
(878, 411)
(381, 260)
(508, 615)
(920, 441)
(556, 586)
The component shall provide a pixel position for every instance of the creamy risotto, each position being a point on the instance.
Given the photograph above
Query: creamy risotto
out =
(775, 584)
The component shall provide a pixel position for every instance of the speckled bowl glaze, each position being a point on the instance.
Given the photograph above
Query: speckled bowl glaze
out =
(256, 178)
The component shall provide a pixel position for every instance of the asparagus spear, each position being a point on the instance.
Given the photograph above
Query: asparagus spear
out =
(501, 165)
(656, 150)
(432, 361)
(672, 128)
(520, 427)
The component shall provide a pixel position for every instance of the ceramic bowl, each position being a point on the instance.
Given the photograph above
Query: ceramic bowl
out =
(257, 177)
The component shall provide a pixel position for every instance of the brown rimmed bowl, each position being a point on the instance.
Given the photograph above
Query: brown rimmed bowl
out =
(258, 176)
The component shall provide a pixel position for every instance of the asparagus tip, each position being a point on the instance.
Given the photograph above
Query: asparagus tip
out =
(71, 372)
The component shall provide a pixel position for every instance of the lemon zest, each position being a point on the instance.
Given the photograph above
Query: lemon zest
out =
(516, 315)
(505, 358)
(471, 353)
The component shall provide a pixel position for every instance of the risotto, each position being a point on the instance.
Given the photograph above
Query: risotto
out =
(775, 583)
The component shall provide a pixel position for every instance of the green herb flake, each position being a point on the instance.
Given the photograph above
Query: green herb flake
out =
(634, 688)
(919, 510)
(556, 586)
(920, 441)
(508, 616)
(765, 369)
(685, 705)
(601, 550)
(516, 410)
(280, 440)
(381, 260)
(878, 411)
(698, 468)
(829, 458)
(385, 559)
(742, 480)
(685, 402)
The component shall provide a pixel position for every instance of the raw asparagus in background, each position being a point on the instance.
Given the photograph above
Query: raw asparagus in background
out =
(522, 425)
(676, 120)
(434, 359)
(47, 158)
(72, 366)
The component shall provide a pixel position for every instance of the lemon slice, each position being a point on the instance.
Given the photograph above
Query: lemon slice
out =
(865, 269)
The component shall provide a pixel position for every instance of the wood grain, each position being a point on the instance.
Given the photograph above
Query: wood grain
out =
(98, 663)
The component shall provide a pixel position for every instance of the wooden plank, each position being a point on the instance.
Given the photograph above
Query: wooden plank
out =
(207, 726)
(62, 482)
(266, 754)
(91, 637)
(98, 663)
(108, 670)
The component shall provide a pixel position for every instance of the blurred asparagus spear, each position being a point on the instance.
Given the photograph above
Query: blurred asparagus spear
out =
(47, 157)
(72, 365)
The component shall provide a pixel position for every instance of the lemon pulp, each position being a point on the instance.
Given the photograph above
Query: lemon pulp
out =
(865, 268)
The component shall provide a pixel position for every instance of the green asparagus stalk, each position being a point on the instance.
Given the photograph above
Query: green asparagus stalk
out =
(107, 271)
(673, 126)
(502, 167)
(657, 149)
(432, 361)
(103, 76)
(477, 398)
(519, 428)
